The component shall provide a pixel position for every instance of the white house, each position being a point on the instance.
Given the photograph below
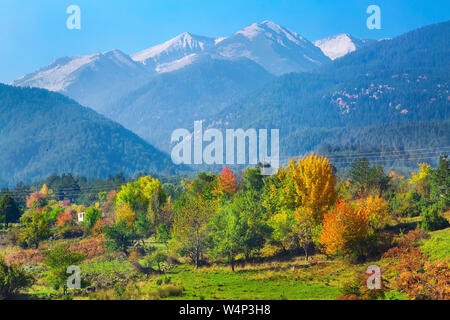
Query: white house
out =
(80, 216)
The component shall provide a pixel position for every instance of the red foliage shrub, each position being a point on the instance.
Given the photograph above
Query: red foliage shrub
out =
(227, 181)
(25, 256)
(91, 247)
(62, 218)
(414, 275)
(413, 237)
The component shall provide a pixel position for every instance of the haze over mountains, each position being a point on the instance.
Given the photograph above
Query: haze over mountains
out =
(338, 93)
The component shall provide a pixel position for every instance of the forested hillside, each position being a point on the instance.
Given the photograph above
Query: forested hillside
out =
(43, 133)
(402, 80)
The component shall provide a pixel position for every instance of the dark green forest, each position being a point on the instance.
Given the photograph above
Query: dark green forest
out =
(43, 132)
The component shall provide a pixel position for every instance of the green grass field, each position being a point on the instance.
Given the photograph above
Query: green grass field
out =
(293, 280)
(438, 246)
(296, 279)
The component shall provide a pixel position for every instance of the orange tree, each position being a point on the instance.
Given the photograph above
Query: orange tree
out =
(349, 226)
(343, 227)
(226, 182)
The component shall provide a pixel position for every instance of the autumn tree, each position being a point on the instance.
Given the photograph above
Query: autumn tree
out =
(377, 210)
(296, 199)
(343, 227)
(420, 181)
(227, 182)
(304, 229)
(63, 218)
(146, 198)
(314, 181)
(349, 226)
(38, 199)
(126, 214)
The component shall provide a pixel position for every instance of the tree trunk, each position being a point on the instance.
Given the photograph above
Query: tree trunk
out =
(232, 262)
(197, 255)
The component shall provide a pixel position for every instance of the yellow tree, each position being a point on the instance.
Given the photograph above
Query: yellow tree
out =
(376, 208)
(314, 183)
(125, 213)
(421, 180)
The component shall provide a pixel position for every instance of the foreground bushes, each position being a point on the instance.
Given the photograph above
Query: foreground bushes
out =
(416, 276)
(12, 279)
(432, 219)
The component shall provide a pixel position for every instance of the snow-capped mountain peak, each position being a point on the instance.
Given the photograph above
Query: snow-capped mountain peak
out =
(268, 29)
(182, 45)
(340, 45)
(59, 74)
(276, 48)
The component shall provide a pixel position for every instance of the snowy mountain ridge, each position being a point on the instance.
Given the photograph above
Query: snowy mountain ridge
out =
(277, 49)
(340, 45)
(99, 79)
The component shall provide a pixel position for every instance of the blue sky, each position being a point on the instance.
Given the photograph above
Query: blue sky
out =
(33, 32)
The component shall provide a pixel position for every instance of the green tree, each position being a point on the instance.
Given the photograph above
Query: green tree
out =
(9, 212)
(253, 179)
(163, 233)
(35, 228)
(229, 236)
(367, 179)
(158, 258)
(190, 226)
(440, 182)
(120, 237)
(91, 216)
(204, 185)
(282, 224)
(58, 260)
(239, 228)
(432, 220)
(144, 227)
(12, 279)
